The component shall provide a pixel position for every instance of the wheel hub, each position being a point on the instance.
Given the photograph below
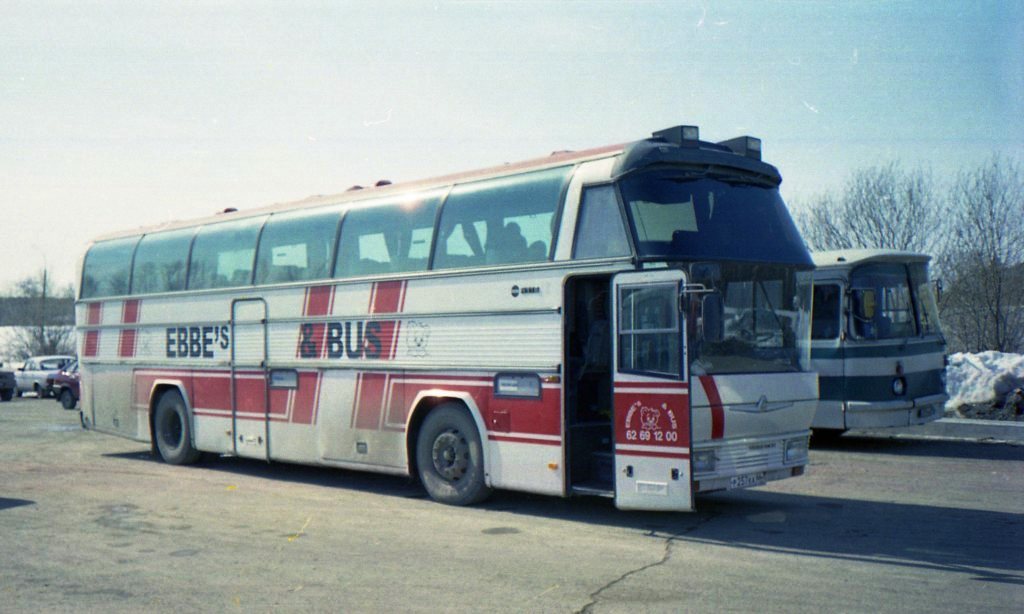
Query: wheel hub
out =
(451, 455)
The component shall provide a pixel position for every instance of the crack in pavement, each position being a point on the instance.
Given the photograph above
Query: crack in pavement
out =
(666, 555)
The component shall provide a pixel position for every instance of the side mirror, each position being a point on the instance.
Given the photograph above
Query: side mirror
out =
(712, 317)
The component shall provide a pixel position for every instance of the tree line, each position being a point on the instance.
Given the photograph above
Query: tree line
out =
(39, 318)
(972, 226)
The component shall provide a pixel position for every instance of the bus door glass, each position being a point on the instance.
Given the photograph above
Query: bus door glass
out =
(249, 394)
(651, 419)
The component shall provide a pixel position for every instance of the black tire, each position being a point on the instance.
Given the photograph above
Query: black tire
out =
(172, 430)
(40, 393)
(17, 393)
(450, 458)
(6, 395)
(67, 400)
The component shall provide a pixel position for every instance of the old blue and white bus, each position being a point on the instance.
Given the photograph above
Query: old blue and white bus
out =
(876, 341)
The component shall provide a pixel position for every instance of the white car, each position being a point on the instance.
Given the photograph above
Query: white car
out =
(31, 376)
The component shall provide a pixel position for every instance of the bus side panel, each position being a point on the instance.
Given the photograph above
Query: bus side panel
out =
(111, 398)
(357, 420)
(827, 360)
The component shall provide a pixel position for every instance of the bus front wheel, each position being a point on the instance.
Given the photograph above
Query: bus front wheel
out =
(450, 458)
(172, 430)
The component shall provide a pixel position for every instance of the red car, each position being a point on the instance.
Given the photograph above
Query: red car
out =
(65, 385)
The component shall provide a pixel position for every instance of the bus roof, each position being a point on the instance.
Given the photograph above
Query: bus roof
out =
(679, 144)
(846, 258)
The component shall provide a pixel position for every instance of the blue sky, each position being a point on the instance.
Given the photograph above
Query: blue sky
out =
(119, 114)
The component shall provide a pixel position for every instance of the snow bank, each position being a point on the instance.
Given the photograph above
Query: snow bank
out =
(982, 378)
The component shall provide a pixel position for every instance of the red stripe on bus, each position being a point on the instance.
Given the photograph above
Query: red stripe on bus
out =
(319, 301)
(717, 412)
(92, 343)
(306, 397)
(130, 311)
(513, 439)
(95, 314)
(127, 338)
(387, 297)
(368, 404)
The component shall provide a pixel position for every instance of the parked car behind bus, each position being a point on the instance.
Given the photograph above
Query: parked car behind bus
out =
(64, 385)
(31, 377)
(7, 385)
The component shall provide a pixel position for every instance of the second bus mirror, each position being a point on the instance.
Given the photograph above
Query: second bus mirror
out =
(712, 317)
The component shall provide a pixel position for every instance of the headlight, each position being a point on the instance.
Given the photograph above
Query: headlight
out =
(704, 461)
(796, 450)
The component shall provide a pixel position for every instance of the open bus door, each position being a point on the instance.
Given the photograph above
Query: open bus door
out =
(651, 419)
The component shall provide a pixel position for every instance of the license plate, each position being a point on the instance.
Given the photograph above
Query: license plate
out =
(746, 481)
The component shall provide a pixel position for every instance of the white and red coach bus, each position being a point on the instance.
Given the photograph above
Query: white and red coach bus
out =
(631, 321)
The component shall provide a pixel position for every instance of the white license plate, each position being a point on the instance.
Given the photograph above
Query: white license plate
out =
(746, 481)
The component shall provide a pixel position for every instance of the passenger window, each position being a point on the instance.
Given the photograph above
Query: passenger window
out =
(500, 221)
(387, 237)
(825, 321)
(107, 268)
(600, 232)
(223, 254)
(161, 261)
(297, 246)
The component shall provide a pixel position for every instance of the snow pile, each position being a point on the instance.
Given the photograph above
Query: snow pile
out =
(986, 378)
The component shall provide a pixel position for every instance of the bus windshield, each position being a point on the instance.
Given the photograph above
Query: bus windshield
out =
(892, 301)
(764, 320)
(677, 216)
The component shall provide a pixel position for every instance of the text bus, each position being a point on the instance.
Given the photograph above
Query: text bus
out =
(631, 321)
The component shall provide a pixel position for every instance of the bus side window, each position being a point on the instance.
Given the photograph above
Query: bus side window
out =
(296, 247)
(391, 237)
(161, 261)
(500, 221)
(825, 321)
(223, 254)
(600, 232)
(107, 268)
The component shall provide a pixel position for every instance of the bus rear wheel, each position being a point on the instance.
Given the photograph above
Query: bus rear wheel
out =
(449, 457)
(172, 430)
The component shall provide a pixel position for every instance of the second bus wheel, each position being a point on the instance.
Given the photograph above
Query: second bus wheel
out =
(172, 430)
(450, 457)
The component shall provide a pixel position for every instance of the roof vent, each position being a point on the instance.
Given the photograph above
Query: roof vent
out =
(684, 136)
(382, 182)
(746, 146)
(354, 188)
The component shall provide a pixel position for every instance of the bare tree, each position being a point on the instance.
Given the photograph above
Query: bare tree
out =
(983, 307)
(882, 206)
(43, 320)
